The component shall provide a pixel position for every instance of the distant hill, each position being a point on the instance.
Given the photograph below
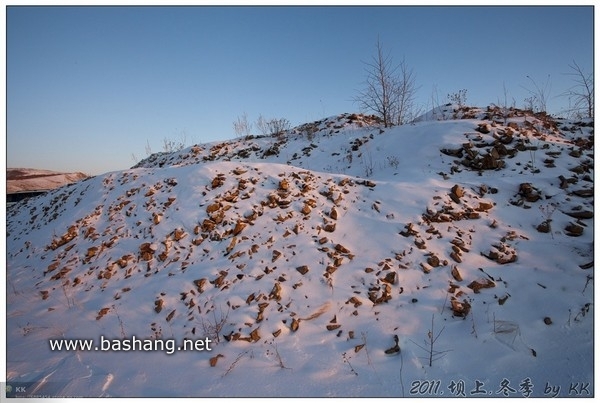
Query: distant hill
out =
(26, 179)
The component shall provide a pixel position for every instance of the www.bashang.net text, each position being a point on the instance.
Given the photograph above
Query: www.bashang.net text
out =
(169, 346)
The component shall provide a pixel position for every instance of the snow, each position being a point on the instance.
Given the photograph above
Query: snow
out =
(124, 254)
(26, 179)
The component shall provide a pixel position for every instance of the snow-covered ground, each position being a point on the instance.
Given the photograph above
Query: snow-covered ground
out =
(450, 257)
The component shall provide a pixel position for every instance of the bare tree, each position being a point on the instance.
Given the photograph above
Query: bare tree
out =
(278, 127)
(538, 100)
(261, 124)
(272, 127)
(389, 89)
(172, 145)
(241, 126)
(405, 93)
(581, 93)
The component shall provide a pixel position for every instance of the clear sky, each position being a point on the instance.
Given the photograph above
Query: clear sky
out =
(87, 87)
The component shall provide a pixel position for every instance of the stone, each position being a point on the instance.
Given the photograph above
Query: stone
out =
(484, 128)
(544, 227)
(433, 261)
(295, 324)
(580, 214)
(458, 191)
(333, 214)
(574, 229)
(460, 309)
(302, 269)
(483, 206)
(390, 278)
(456, 274)
(481, 283)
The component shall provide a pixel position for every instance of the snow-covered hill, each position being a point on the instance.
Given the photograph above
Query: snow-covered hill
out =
(450, 257)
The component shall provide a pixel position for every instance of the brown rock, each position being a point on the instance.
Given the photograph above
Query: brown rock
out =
(457, 191)
(208, 225)
(584, 192)
(276, 255)
(484, 128)
(459, 308)
(390, 278)
(295, 324)
(456, 256)
(574, 229)
(330, 227)
(341, 249)
(239, 227)
(213, 360)
(276, 292)
(158, 305)
(580, 214)
(484, 206)
(284, 185)
(302, 269)
(213, 207)
(481, 283)
(433, 261)
(456, 274)
(544, 227)
(200, 284)
(333, 214)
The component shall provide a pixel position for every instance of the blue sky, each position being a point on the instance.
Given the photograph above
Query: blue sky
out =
(87, 87)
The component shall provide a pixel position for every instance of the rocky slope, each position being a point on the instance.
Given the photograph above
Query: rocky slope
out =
(315, 257)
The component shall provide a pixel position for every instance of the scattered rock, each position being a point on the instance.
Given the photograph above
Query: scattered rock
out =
(460, 309)
(584, 192)
(302, 269)
(276, 292)
(355, 301)
(456, 274)
(333, 214)
(544, 227)
(213, 360)
(484, 207)
(395, 349)
(480, 283)
(102, 312)
(574, 229)
(276, 255)
(200, 284)
(390, 278)
(295, 324)
(329, 227)
(170, 315)
(341, 249)
(457, 191)
(433, 261)
(580, 214)
(484, 128)
(529, 193)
